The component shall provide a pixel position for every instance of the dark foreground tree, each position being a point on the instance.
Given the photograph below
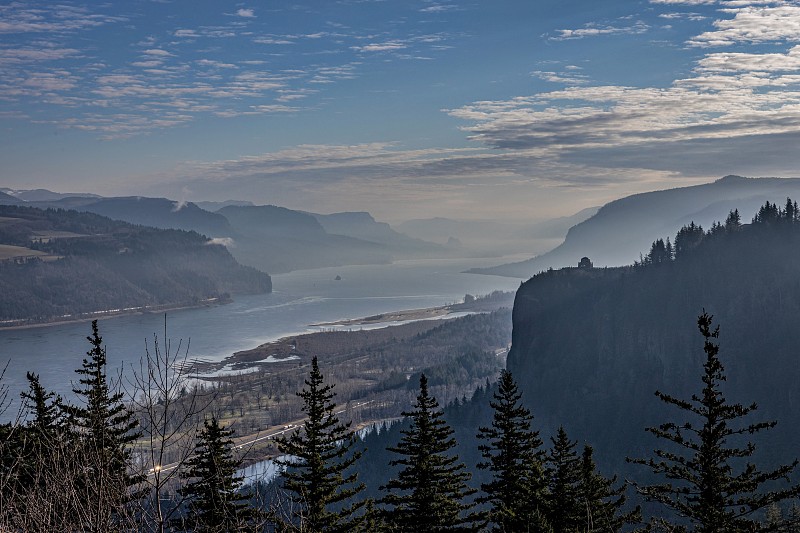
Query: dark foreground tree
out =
(516, 495)
(41, 440)
(704, 485)
(32, 460)
(601, 503)
(563, 470)
(214, 501)
(319, 478)
(430, 490)
(104, 429)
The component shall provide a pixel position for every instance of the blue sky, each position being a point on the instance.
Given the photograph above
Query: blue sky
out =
(408, 109)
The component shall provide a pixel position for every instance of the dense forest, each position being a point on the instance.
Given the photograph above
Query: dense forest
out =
(59, 264)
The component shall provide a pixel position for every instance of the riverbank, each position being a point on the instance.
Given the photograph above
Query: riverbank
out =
(482, 304)
(397, 316)
(329, 344)
(20, 324)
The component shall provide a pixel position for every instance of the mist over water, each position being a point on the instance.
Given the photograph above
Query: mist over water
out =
(299, 299)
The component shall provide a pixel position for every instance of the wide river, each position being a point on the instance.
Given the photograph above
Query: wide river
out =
(298, 300)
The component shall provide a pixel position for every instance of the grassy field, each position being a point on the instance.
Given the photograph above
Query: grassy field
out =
(9, 252)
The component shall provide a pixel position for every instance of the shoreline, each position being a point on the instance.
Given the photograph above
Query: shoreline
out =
(113, 313)
(481, 304)
(286, 350)
(407, 315)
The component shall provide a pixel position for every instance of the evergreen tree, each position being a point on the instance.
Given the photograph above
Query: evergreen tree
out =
(659, 253)
(688, 237)
(430, 489)
(600, 501)
(767, 214)
(104, 428)
(734, 221)
(316, 477)
(44, 406)
(512, 451)
(565, 512)
(43, 433)
(212, 491)
(708, 493)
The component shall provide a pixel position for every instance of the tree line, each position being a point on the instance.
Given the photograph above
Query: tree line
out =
(92, 466)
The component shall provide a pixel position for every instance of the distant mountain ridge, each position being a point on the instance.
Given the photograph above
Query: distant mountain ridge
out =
(625, 228)
(280, 240)
(271, 238)
(162, 213)
(492, 237)
(43, 195)
(362, 225)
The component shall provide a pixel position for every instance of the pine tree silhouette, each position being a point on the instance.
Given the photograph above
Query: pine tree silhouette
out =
(430, 489)
(319, 477)
(516, 495)
(212, 490)
(702, 486)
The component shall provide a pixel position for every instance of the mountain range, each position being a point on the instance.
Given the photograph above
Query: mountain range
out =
(271, 238)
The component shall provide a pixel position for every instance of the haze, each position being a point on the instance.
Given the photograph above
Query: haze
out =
(412, 109)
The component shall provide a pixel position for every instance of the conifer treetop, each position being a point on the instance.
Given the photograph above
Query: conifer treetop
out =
(702, 484)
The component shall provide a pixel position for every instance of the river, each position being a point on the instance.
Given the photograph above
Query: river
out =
(298, 299)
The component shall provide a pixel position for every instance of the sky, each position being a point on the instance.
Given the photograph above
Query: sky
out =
(523, 109)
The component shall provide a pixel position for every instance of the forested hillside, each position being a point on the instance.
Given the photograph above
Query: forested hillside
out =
(56, 263)
(590, 346)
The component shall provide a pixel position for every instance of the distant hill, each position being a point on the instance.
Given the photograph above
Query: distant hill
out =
(495, 237)
(161, 213)
(558, 227)
(43, 195)
(57, 264)
(361, 225)
(216, 206)
(624, 228)
(7, 199)
(592, 345)
(277, 239)
(156, 212)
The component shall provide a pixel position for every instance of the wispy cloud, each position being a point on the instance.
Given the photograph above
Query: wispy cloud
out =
(685, 2)
(20, 18)
(39, 54)
(568, 78)
(593, 30)
(157, 52)
(440, 8)
(218, 69)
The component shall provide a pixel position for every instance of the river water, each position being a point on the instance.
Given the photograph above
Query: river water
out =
(298, 300)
